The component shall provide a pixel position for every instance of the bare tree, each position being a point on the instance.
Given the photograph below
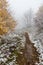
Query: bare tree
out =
(28, 17)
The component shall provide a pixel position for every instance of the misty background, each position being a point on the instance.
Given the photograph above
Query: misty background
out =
(18, 8)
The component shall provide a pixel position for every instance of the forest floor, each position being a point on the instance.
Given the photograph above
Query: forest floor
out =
(12, 48)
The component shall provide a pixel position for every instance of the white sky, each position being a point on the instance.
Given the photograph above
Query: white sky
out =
(18, 7)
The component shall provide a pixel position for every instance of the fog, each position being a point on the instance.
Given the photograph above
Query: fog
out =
(18, 7)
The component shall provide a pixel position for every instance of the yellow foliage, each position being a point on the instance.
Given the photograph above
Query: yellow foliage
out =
(6, 21)
(2, 3)
(3, 30)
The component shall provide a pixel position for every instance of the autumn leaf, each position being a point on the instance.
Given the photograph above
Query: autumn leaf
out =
(6, 21)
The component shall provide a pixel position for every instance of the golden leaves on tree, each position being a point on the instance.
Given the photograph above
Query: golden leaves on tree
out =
(6, 21)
